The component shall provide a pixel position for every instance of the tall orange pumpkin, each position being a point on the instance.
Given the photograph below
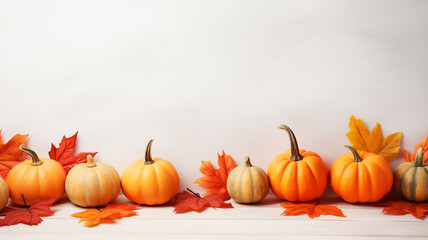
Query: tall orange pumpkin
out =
(150, 181)
(297, 175)
(360, 177)
(36, 179)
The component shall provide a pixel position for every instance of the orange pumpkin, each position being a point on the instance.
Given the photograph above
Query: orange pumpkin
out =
(4, 194)
(35, 179)
(297, 175)
(360, 177)
(150, 180)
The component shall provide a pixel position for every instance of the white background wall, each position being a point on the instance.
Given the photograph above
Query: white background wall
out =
(202, 76)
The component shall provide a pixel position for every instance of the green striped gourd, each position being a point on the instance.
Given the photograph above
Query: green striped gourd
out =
(411, 179)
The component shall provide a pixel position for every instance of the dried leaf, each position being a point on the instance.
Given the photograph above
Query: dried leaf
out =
(424, 145)
(10, 153)
(361, 139)
(64, 153)
(189, 201)
(312, 209)
(400, 207)
(30, 216)
(215, 180)
(93, 217)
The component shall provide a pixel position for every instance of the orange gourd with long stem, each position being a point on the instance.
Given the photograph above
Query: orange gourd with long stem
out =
(150, 181)
(297, 175)
(360, 177)
(36, 179)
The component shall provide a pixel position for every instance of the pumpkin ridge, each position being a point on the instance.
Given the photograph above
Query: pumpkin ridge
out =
(385, 188)
(262, 176)
(312, 174)
(413, 185)
(140, 175)
(252, 183)
(369, 181)
(402, 180)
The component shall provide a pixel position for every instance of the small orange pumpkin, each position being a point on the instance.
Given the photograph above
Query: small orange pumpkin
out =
(92, 184)
(411, 179)
(150, 181)
(35, 179)
(4, 193)
(297, 175)
(248, 183)
(360, 177)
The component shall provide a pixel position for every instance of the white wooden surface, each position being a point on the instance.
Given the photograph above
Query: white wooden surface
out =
(259, 221)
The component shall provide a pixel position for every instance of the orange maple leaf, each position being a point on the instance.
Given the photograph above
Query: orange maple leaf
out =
(10, 153)
(362, 140)
(215, 180)
(400, 207)
(93, 217)
(424, 145)
(312, 209)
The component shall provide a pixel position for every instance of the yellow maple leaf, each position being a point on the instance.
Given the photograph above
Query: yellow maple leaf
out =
(362, 140)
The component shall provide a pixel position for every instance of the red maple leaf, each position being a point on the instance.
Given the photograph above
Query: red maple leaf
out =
(191, 201)
(312, 209)
(10, 153)
(401, 207)
(64, 153)
(29, 215)
(215, 180)
(93, 217)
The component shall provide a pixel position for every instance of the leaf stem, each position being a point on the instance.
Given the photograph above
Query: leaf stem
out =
(193, 193)
(23, 198)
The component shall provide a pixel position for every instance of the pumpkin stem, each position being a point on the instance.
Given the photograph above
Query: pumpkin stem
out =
(148, 157)
(247, 162)
(357, 157)
(36, 159)
(419, 158)
(193, 193)
(90, 163)
(295, 153)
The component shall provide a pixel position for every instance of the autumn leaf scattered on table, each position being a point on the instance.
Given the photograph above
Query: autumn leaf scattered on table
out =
(362, 140)
(215, 180)
(190, 201)
(424, 145)
(28, 215)
(10, 153)
(312, 209)
(94, 216)
(64, 153)
(401, 207)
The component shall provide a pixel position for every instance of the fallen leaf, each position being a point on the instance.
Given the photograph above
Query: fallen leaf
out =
(64, 153)
(93, 217)
(189, 201)
(362, 140)
(10, 153)
(215, 180)
(424, 145)
(312, 209)
(401, 207)
(29, 215)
